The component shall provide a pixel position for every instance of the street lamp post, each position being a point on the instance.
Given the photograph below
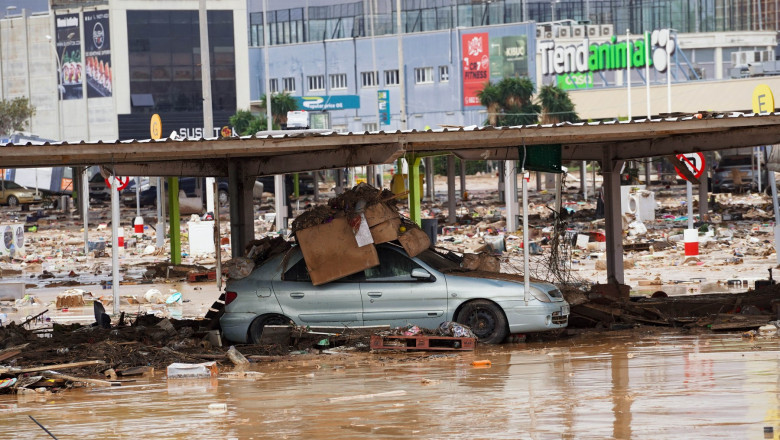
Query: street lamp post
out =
(53, 49)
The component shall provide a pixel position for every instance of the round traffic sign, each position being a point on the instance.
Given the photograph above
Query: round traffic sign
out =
(695, 163)
(122, 181)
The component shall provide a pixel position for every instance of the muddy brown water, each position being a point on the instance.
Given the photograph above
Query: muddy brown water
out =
(619, 386)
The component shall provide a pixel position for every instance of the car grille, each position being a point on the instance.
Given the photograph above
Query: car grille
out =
(557, 318)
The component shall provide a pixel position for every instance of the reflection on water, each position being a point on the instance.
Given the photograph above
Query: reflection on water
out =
(613, 386)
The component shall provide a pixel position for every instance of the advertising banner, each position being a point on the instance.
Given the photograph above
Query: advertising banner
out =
(331, 102)
(383, 98)
(69, 56)
(476, 66)
(508, 57)
(574, 81)
(97, 50)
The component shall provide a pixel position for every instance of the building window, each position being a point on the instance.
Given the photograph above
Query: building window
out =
(444, 74)
(371, 126)
(423, 75)
(274, 85)
(289, 84)
(369, 79)
(338, 81)
(391, 77)
(316, 82)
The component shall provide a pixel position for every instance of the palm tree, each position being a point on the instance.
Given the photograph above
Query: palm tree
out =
(245, 123)
(556, 105)
(516, 91)
(281, 103)
(490, 97)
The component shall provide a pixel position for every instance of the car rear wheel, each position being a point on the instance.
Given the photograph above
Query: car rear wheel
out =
(486, 320)
(256, 327)
(13, 201)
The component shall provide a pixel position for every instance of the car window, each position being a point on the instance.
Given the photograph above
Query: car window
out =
(392, 267)
(300, 273)
(438, 261)
(735, 161)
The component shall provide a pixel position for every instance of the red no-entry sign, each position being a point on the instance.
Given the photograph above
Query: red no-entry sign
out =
(694, 162)
(122, 182)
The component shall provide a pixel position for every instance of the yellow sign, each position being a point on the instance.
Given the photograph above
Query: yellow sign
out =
(226, 132)
(155, 127)
(763, 101)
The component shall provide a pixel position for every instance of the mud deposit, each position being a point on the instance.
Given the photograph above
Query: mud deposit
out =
(621, 385)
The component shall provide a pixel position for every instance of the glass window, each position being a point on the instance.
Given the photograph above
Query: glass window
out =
(338, 81)
(316, 82)
(393, 266)
(289, 84)
(273, 84)
(391, 77)
(423, 75)
(369, 79)
(444, 73)
(298, 272)
(370, 126)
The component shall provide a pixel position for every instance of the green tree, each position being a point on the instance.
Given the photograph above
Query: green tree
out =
(556, 105)
(15, 114)
(281, 103)
(245, 123)
(490, 97)
(510, 102)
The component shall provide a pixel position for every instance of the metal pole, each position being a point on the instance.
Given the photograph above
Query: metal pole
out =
(401, 68)
(628, 70)
(371, 9)
(689, 202)
(669, 81)
(584, 180)
(526, 245)
(137, 196)
(773, 187)
(160, 216)
(758, 166)
(115, 242)
(647, 71)
(279, 190)
(217, 241)
(85, 206)
(205, 76)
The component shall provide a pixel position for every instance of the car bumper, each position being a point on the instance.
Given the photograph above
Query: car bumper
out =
(536, 316)
(235, 326)
(26, 200)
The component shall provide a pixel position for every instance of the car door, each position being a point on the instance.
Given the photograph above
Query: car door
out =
(336, 303)
(391, 295)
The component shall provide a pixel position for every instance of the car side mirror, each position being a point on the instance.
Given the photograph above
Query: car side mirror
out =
(421, 274)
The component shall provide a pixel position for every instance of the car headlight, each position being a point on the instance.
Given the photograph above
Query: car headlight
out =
(541, 296)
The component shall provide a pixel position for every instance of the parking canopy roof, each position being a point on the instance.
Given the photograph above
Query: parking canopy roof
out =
(297, 151)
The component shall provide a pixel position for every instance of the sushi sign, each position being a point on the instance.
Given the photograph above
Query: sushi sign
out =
(71, 66)
(97, 49)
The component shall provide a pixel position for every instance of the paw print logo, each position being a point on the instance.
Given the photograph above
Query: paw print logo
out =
(662, 44)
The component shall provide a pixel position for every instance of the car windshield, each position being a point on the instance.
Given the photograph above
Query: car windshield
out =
(438, 261)
(7, 184)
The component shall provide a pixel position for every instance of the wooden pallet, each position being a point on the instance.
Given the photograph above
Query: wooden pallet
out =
(420, 342)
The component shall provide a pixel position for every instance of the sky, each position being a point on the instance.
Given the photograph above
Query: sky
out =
(29, 5)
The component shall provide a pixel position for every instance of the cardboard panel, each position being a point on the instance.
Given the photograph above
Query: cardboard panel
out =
(414, 241)
(378, 213)
(331, 251)
(386, 231)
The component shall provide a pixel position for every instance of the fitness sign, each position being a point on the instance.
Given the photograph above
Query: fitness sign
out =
(612, 55)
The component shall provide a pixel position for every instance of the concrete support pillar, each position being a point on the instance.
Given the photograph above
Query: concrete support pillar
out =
(510, 190)
(451, 206)
(430, 187)
(462, 179)
(648, 165)
(502, 181)
(613, 219)
(538, 181)
(704, 202)
(242, 224)
(584, 180)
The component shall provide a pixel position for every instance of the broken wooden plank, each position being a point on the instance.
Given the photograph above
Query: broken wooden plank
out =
(57, 366)
(683, 169)
(98, 382)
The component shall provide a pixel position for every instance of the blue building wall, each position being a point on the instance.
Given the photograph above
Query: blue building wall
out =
(431, 105)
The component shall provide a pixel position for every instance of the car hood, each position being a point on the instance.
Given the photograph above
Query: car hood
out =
(501, 278)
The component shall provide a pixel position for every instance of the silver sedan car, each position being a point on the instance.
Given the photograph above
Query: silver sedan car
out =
(425, 291)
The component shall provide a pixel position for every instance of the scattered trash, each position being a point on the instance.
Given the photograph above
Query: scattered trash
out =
(192, 371)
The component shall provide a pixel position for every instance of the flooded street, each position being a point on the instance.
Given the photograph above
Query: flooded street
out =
(619, 386)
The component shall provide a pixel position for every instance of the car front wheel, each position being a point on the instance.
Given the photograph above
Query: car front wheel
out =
(223, 197)
(256, 327)
(486, 320)
(13, 201)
